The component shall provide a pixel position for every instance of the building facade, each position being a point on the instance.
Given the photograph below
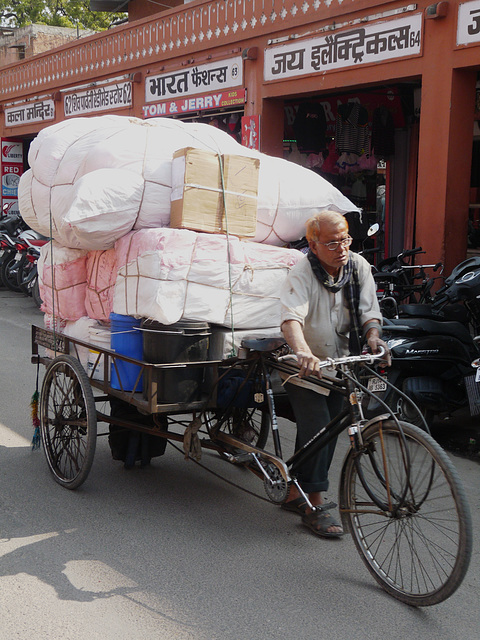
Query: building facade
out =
(378, 97)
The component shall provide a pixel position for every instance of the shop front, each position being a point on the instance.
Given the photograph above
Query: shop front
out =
(354, 93)
(359, 142)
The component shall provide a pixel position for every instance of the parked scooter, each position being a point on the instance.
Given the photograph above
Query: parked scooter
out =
(12, 250)
(432, 354)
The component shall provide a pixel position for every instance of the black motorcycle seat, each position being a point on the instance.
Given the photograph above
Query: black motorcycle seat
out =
(430, 327)
(416, 310)
(453, 312)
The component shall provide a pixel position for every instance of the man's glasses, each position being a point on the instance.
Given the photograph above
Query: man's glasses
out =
(333, 246)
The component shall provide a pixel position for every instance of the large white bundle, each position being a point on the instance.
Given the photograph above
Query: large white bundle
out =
(169, 274)
(63, 155)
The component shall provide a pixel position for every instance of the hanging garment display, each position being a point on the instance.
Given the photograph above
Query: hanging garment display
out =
(351, 134)
(310, 127)
(383, 133)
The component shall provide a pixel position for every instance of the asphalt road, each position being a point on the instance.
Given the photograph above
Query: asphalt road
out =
(174, 552)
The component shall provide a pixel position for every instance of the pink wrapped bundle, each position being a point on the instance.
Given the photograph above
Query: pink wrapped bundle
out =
(152, 272)
(101, 275)
(166, 274)
(173, 246)
(62, 281)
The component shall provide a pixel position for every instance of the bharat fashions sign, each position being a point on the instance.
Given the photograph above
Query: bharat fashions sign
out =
(365, 45)
(215, 76)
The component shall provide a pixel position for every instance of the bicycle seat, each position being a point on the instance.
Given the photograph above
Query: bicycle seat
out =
(262, 344)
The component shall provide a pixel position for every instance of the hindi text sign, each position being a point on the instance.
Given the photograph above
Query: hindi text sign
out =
(105, 98)
(373, 43)
(214, 76)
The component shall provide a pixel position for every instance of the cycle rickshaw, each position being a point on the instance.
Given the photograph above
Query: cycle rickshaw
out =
(399, 495)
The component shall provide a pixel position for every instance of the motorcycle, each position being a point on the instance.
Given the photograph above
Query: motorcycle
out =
(12, 253)
(398, 281)
(433, 348)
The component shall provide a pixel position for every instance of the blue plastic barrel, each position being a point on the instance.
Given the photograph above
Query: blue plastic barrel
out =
(126, 340)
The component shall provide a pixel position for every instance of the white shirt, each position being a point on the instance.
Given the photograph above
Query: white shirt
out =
(324, 316)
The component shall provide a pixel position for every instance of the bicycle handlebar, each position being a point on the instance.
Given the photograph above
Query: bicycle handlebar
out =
(336, 362)
(410, 252)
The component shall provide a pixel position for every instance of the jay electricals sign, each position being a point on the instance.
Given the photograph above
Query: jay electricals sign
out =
(367, 44)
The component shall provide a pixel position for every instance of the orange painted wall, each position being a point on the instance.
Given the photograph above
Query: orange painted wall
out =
(201, 30)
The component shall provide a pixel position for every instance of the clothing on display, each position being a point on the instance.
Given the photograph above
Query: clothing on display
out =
(310, 127)
(351, 129)
(383, 133)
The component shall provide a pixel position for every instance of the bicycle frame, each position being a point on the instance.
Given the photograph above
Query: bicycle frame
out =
(259, 364)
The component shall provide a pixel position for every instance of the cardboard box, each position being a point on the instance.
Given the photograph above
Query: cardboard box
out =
(200, 197)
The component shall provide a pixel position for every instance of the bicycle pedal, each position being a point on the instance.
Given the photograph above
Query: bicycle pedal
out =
(240, 458)
(325, 506)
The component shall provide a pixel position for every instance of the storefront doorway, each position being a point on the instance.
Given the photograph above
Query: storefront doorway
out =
(360, 142)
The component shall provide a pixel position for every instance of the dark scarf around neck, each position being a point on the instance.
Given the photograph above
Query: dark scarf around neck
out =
(348, 280)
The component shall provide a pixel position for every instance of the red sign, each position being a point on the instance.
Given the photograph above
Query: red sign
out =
(251, 132)
(196, 103)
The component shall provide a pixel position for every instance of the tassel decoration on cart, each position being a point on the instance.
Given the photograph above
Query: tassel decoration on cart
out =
(35, 421)
(191, 441)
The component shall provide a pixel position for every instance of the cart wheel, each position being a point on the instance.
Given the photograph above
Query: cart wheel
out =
(68, 421)
(250, 425)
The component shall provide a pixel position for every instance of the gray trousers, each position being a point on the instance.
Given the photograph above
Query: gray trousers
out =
(312, 412)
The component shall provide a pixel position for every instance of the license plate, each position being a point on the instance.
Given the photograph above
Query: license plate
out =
(377, 384)
(18, 257)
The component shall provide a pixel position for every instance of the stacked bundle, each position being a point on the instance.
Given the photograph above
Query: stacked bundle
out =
(103, 189)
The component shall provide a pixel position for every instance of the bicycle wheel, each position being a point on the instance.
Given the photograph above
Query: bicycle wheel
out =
(68, 421)
(249, 425)
(405, 507)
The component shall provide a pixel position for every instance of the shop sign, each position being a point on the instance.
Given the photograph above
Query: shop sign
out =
(370, 44)
(12, 151)
(11, 170)
(11, 207)
(97, 99)
(251, 132)
(198, 103)
(214, 76)
(39, 111)
(10, 178)
(468, 25)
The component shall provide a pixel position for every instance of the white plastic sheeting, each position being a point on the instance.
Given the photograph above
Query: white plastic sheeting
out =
(91, 180)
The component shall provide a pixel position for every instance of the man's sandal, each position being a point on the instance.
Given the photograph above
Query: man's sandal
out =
(297, 505)
(320, 520)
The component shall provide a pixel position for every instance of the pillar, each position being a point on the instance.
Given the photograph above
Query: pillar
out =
(444, 163)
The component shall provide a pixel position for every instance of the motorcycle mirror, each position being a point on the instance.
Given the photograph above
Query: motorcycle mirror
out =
(373, 229)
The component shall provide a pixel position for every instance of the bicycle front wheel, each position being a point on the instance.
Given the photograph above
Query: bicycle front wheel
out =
(402, 500)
